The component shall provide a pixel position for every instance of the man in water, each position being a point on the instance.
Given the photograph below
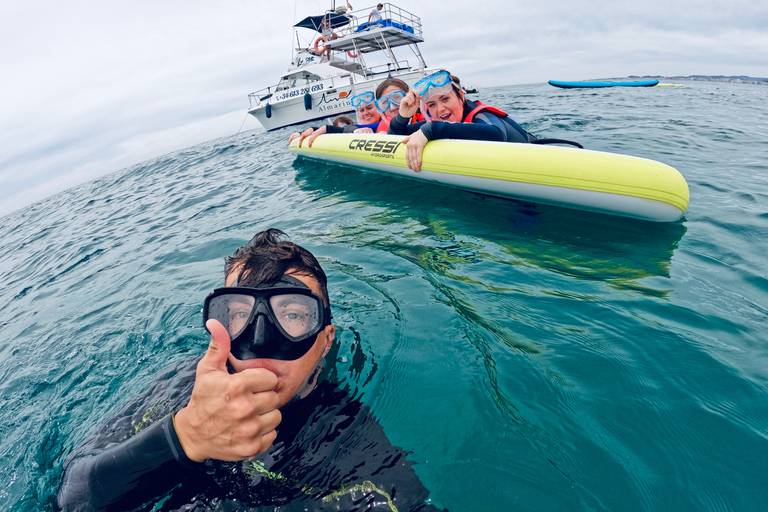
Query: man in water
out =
(253, 427)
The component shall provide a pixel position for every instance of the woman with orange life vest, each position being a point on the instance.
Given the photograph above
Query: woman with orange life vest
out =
(372, 116)
(449, 115)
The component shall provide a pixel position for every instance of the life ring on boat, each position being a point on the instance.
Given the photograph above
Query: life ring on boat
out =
(317, 42)
(353, 55)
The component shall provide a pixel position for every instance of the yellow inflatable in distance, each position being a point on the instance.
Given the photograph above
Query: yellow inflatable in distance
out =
(563, 176)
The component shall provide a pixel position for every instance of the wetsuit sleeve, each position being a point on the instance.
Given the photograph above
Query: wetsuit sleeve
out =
(436, 130)
(334, 129)
(399, 126)
(130, 452)
(127, 475)
(350, 128)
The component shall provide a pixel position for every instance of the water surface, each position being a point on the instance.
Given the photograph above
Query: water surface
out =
(529, 357)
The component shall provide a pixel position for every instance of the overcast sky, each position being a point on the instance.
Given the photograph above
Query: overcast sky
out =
(90, 87)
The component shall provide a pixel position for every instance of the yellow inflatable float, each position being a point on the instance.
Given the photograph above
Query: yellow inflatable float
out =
(573, 178)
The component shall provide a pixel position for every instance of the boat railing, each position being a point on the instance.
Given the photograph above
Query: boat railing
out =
(397, 27)
(387, 68)
(255, 99)
(391, 16)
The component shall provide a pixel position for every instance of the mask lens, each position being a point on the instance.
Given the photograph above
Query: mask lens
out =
(297, 314)
(233, 311)
(438, 79)
(394, 98)
(435, 91)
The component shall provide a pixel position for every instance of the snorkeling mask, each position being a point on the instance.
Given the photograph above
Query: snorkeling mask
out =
(392, 99)
(276, 321)
(366, 97)
(436, 83)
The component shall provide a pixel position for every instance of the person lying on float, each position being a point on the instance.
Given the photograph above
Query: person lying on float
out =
(388, 96)
(449, 115)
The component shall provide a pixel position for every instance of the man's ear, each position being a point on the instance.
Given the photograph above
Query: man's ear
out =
(330, 335)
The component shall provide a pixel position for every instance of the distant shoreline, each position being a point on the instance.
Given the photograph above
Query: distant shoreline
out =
(708, 78)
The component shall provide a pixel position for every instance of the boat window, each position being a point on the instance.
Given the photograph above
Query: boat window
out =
(285, 83)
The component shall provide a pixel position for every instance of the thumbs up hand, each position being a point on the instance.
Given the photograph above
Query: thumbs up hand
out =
(229, 416)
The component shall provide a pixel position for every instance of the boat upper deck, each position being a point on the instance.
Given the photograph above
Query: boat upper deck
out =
(397, 27)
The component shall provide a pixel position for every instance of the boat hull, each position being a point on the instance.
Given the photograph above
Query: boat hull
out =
(577, 85)
(291, 111)
(574, 178)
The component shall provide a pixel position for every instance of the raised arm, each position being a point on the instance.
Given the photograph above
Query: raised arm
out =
(227, 417)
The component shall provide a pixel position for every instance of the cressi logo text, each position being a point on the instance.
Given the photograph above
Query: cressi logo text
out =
(377, 148)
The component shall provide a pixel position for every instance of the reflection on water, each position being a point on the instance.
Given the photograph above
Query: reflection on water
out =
(500, 267)
(618, 251)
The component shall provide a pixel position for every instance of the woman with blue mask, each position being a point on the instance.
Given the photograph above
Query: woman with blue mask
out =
(374, 111)
(449, 115)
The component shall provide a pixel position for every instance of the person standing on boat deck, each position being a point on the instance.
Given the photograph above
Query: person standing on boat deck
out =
(250, 424)
(449, 115)
(375, 14)
(326, 30)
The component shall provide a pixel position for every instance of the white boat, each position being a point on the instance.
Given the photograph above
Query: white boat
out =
(338, 62)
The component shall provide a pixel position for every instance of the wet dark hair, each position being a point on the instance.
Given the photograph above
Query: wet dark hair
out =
(342, 120)
(268, 256)
(391, 81)
(456, 85)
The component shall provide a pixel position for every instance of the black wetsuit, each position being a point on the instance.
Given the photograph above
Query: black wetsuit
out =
(330, 454)
(484, 126)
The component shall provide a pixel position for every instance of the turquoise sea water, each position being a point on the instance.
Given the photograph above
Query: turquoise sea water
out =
(529, 357)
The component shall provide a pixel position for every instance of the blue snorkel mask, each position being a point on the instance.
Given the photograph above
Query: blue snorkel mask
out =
(438, 83)
(276, 321)
(436, 80)
(392, 99)
(361, 99)
(366, 97)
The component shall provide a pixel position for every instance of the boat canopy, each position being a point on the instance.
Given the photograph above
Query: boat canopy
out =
(315, 22)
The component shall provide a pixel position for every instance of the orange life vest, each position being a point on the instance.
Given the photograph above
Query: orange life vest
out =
(481, 107)
(383, 124)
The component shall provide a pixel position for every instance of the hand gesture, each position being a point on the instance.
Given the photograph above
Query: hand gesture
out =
(409, 105)
(414, 147)
(230, 416)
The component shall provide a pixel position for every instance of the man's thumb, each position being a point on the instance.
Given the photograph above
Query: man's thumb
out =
(218, 350)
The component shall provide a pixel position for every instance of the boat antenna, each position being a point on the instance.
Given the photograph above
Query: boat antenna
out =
(293, 52)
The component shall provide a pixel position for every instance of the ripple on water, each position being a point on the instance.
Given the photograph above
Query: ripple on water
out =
(528, 357)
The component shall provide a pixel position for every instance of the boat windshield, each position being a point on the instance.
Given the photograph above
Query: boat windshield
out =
(296, 80)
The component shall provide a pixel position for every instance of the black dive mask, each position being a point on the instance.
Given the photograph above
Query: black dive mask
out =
(275, 321)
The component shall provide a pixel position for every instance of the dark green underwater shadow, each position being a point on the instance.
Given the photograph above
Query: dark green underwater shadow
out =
(487, 259)
(616, 250)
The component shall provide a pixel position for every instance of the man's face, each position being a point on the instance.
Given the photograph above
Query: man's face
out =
(291, 375)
